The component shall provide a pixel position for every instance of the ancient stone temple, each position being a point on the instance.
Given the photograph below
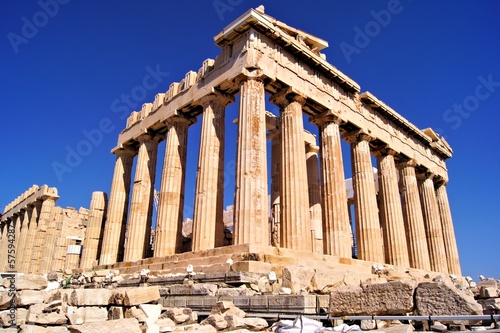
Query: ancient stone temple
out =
(47, 238)
(406, 223)
(302, 217)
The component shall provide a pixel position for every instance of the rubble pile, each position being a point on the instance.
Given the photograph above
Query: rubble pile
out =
(105, 301)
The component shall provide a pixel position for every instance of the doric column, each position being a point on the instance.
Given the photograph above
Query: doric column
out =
(141, 206)
(314, 191)
(295, 225)
(168, 233)
(61, 243)
(46, 215)
(392, 222)
(4, 245)
(208, 225)
(116, 216)
(368, 233)
(418, 252)
(22, 238)
(336, 226)
(450, 242)
(251, 218)
(93, 234)
(30, 237)
(432, 222)
(275, 137)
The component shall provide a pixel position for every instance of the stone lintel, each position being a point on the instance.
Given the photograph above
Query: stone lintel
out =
(42, 193)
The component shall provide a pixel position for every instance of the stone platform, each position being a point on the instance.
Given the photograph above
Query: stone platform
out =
(321, 270)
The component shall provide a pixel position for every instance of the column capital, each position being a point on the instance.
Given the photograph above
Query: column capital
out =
(357, 136)
(425, 175)
(312, 148)
(384, 151)
(246, 76)
(405, 164)
(288, 95)
(178, 118)
(124, 151)
(329, 116)
(218, 96)
(145, 137)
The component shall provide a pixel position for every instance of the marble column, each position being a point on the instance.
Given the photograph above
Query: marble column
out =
(4, 245)
(93, 234)
(450, 242)
(314, 191)
(30, 237)
(275, 137)
(394, 236)
(114, 228)
(336, 225)
(208, 224)
(251, 217)
(295, 226)
(22, 238)
(141, 206)
(432, 222)
(61, 243)
(368, 234)
(418, 252)
(46, 214)
(168, 233)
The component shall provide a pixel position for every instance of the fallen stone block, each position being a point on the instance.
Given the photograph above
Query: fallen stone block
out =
(233, 321)
(443, 298)
(152, 311)
(255, 324)
(394, 297)
(217, 321)
(144, 295)
(37, 316)
(292, 303)
(227, 307)
(90, 314)
(30, 282)
(128, 325)
(29, 297)
(90, 297)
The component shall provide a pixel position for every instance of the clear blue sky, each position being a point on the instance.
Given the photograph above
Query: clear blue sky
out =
(65, 68)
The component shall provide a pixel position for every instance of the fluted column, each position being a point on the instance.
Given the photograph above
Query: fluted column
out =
(60, 248)
(275, 137)
(450, 242)
(432, 222)
(251, 224)
(22, 238)
(30, 238)
(295, 226)
(208, 225)
(141, 206)
(114, 228)
(46, 215)
(314, 191)
(395, 247)
(368, 233)
(93, 234)
(336, 226)
(4, 245)
(418, 251)
(168, 233)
